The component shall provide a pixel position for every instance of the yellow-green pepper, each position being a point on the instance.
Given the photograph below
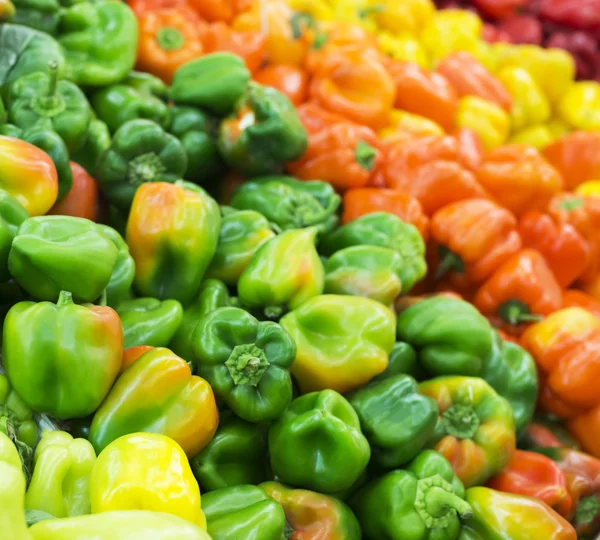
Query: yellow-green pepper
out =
(580, 106)
(485, 118)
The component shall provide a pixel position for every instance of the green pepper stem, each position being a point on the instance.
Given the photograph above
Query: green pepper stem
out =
(145, 168)
(170, 39)
(103, 299)
(65, 298)
(587, 510)
(51, 104)
(365, 155)
(449, 262)
(246, 364)
(438, 501)
(435, 502)
(571, 204)
(461, 421)
(274, 313)
(516, 312)
(53, 66)
(300, 20)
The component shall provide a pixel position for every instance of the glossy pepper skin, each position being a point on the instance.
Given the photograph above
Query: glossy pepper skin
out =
(99, 42)
(289, 203)
(182, 407)
(246, 362)
(423, 501)
(284, 273)
(60, 484)
(385, 230)
(140, 152)
(382, 406)
(505, 516)
(172, 232)
(329, 450)
(82, 199)
(289, 80)
(476, 429)
(123, 271)
(264, 133)
(342, 341)
(54, 253)
(42, 16)
(149, 321)
(575, 156)
(243, 511)
(41, 100)
(441, 343)
(55, 386)
(96, 141)
(12, 214)
(236, 455)
(487, 119)
(145, 471)
(215, 82)
(314, 516)
(28, 174)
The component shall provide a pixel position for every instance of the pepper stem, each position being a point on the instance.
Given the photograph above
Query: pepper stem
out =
(51, 104)
(145, 168)
(299, 21)
(103, 299)
(246, 364)
(65, 298)
(449, 262)
(461, 421)
(274, 313)
(571, 204)
(53, 71)
(170, 39)
(587, 510)
(8, 427)
(436, 502)
(516, 312)
(365, 155)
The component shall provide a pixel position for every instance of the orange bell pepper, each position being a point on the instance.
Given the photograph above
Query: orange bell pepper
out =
(315, 118)
(535, 475)
(470, 148)
(289, 80)
(353, 82)
(470, 78)
(521, 290)
(575, 298)
(139, 7)
(220, 10)
(565, 250)
(250, 46)
(586, 427)
(82, 200)
(577, 157)
(473, 238)
(169, 38)
(428, 94)
(132, 354)
(358, 202)
(519, 178)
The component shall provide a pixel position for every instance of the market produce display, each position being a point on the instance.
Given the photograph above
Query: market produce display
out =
(301, 269)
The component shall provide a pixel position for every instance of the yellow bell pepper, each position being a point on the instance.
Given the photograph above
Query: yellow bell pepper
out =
(539, 136)
(321, 10)
(60, 484)
(405, 122)
(580, 106)
(485, 118)
(405, 16)
(529, 104)
(403, 47)
(558, 128)
(591, 188)
(451, 30)
(146, 471)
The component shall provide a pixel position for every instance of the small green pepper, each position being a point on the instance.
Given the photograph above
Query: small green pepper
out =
(42, 15)
(12, 214)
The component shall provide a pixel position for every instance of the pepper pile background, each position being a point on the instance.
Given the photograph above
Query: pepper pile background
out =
(307, 269)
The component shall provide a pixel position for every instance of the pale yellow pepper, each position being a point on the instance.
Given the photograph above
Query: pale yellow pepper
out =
(485, 118)
(398, 17)
(403, 47)
(539, 136)
(321, 10)
(146, 471)
(405, 122)
(591, 188)
(529, 104)
(580, 106)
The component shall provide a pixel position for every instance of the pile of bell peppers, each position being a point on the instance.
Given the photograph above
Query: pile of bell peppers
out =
(306, 269)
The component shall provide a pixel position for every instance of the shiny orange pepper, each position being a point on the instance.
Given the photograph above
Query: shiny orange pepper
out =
(132, 354)
(519, 178)
(577, 157)
(139, 7)
(289, 80)
(586, 427)
(423, 92)
(220, 10)
(521, 290)
(534, 475)
(314, 118)
(470, 148)
(576, 298)
(82, 200)
(470, 78)
(28, 174)
(353, 82)
(473, 238)
(250, 46)
(565, 250)
(361, 201)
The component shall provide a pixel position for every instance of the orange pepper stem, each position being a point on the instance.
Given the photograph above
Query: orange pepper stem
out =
(170, 39)
(516, 312)
(65, 298)
(587, 510)
(449, 262)
(461, 421)
(365, 155)
(247, 364)
(435, 502)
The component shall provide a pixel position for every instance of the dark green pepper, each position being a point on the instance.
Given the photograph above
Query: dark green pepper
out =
(264, 134)
(236, 455)
(402, 360)
(12, 214)
(395, 418)
(246, 362)
(214, 82)
(123, 271)
(42, 15)
(95, 143)
(146, 83)
(148, 321)
(141, 151)
(289, 203)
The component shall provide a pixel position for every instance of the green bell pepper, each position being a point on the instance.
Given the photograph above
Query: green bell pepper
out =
(12, 214)
(62, 358)
(10, 294)
(123, 272)
(54, 253)
(242, 233)
(396, 420)
(146, 83)
(317, 443)
(423, 502)
(148, 321)
(284, 272)
(265, 133)
(141, 151)
(25, 50)
(402, 360)
(246, 362)
(370, 271)
(41, 100)
(215, 82)
(236, 455)
(385, 230)
(213, 294)
(511, 371)
(289, 203)
(42, 15)
(99, 41)
(197, 132)
(451, 336)
(96, 141)
(245, 512)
